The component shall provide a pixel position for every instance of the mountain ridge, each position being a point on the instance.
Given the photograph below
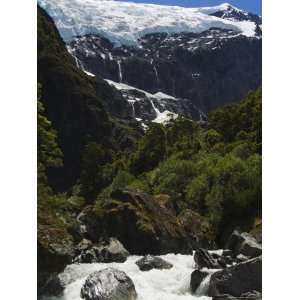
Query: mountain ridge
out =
(124, 22)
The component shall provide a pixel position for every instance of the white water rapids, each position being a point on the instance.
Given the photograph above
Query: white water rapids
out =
(172, 284)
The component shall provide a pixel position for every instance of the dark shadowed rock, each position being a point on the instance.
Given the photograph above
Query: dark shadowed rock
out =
(246, 296)
(142, 224)
(204, 260)
(244, 243)
(150, 262)
(196, 278)
(107, 251)
(254, 295)
(222, 262)
(236, 280)
(224, 297)
(53, 285)
(55, 250)
(198, 228)
(189, 71)
(227, 252)
(108, 284)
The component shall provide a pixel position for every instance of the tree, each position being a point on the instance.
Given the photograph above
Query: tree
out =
(151, 150)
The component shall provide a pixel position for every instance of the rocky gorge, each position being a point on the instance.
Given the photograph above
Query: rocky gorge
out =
(207, 274)
(142, 176)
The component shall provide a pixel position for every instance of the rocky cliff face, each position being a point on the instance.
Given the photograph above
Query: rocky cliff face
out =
(208, 55)
(211, 68)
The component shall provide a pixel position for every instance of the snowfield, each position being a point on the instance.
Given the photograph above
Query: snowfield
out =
(124, 22)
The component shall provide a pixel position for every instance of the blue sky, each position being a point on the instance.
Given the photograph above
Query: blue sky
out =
(248, 5)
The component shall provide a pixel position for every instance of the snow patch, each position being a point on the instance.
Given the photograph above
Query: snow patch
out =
(125, 22)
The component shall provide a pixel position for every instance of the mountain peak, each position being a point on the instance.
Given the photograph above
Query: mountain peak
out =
(121, 22)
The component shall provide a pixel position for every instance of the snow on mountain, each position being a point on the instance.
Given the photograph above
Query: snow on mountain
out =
(222, 7)
(157, 108)
(125, 22)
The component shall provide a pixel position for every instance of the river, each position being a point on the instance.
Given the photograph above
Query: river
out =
(172, 284)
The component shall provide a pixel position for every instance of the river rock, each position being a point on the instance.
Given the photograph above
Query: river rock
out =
(53, 286)
(142, 224)
(203, 259)
(244, 243)
(254, 295)
(108, 284)
(88, 224)
(107, 251)
(224, 297)
(83, 246)
(149, 262)
(54, 254)
(236, 280)
(247, 296)
(241, 258)
(197, 277)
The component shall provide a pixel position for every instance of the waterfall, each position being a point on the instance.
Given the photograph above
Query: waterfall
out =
(155, 109)
(78, 62)
(132, 105)
(120, 70)
(155, 72)
(204, 285)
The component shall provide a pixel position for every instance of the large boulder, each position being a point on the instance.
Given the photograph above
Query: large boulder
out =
(247, 296)
(203, 259)
(108, 284)
(198, 229)
(145, 224)
(88, 224)
(55, 250)
(244, 243)
(142, 223)
(239, 279)
(149, 262)
(197, 277)
(110, 250)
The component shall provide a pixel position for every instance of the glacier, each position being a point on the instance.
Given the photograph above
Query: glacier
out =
(125, 22)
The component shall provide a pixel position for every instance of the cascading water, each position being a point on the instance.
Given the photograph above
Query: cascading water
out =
(155, 72)
(204, 285)
(133, 109)
(172, 284)
(157, 112)
(120, 70)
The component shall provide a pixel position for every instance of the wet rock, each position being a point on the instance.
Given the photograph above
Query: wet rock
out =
(83, 246)
(236, 280)
(107, 251)
(108, 284)
(241, 258)
(150, 262)
(244, 243)
(88, 224)
(246, 296)
(224, 297)
(196, 278)
(53, 286)
(227, 252)
(55, 251)
(254, 295)
(205, 260)
(222, 262)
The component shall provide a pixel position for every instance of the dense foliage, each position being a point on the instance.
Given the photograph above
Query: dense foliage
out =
(86, 154)
(214, 169)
